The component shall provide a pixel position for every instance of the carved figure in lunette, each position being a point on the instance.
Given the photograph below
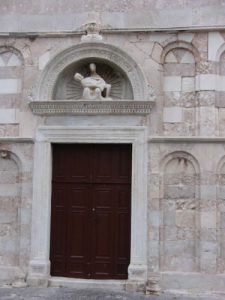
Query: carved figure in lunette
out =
(93, 85)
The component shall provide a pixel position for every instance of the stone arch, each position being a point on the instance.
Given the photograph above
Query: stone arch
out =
(11, 76)
(221, 70)
(180, 45)
(180, 208)
(183, 154)
(220, 52)
(179, 85)
(102, 51)
(10, 198)
(10, 57)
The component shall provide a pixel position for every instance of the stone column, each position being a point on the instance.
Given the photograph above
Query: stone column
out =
(138, 266)
(39, 266)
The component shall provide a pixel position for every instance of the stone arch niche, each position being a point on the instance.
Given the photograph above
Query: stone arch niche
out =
(10, 57)
(68, 88)
(179, 206)
(11, 78)
(179, 65)
(57, 92)
(10, 197)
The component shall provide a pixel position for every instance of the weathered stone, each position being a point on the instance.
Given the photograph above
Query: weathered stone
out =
(167, 59)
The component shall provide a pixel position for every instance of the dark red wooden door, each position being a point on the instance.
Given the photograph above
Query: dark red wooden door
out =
(91, 208)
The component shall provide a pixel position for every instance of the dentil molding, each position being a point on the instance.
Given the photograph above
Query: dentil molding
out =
(88, 107)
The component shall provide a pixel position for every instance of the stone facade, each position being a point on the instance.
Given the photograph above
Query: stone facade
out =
(172, 53)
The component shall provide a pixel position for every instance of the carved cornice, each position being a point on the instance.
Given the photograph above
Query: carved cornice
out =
(84, 107)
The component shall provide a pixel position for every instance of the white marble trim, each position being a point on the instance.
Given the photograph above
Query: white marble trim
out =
(40, 238)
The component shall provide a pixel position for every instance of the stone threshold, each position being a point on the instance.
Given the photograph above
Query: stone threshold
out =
(87, 107)
(87, 283)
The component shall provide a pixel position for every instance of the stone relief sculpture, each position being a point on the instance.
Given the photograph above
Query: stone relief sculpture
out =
(92, 32)
(94, 86)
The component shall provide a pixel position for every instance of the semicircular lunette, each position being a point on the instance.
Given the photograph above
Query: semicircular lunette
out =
(68, 88)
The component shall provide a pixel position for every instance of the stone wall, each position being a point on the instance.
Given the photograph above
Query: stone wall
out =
(184, 131)
(16, 163)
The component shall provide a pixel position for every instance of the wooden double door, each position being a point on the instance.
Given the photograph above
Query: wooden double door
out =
(91, 211)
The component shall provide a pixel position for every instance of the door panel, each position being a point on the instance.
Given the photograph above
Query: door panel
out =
(58, 229)
(90, 225)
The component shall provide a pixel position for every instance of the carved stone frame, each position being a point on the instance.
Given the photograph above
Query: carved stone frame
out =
(141, 90)
(39, 266)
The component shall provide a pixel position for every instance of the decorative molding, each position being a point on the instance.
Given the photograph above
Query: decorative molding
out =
(186, 139)
(86, 107)
(39, 266)
(16, 140)
(96, 50)
(79, 32)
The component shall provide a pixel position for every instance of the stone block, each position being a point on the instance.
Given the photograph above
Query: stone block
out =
(7, 130)
(180, 248)
(7, 116)
(206, 82)
(171, 59)
(153, 233)
(188, 84)
(207, 120)
(208, 192)
(186, 219)
(172, 114)
(156, 52)
(206, 98)
(180, 178)
(208, 248)
(208, 234)
(169, 219)
(186, 233)
(10, 86)
(208, 263)
(220, 83)
(9, 190)
(177, 69)
(172, 84)
(188, 58)
(153, 248)
(179, 192)
(208, 219)
(7, 217)
(221, 193)
(179, 264)
(222, 220)
(168, 233)
(186, 204)
(186, 36)
(155, 218)
(43, 60)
